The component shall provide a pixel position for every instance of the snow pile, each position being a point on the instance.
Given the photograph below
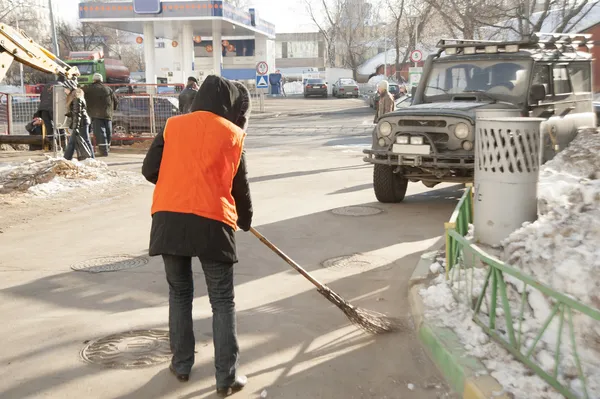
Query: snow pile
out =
(55, 175)
(442, 308)
(561, 250)
(293, 88)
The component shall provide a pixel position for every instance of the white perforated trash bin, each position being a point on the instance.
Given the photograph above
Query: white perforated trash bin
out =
(506, 176)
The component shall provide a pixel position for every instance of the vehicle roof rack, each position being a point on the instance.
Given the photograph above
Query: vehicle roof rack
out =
(539, 41)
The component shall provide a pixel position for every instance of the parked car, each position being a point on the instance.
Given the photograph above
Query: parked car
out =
(133, 114)
(345, 88)
(315, 87)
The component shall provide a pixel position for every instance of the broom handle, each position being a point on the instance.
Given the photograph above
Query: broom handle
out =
(286, 258)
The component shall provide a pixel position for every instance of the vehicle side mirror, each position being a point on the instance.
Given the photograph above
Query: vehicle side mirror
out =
(413, 91)
(537, 93)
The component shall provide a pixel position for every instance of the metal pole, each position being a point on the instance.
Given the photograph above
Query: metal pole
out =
(416, 34)
(53, 27)
(386, 60)
(21, 66)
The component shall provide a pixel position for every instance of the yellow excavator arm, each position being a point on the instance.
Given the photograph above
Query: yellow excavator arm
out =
(15, 45)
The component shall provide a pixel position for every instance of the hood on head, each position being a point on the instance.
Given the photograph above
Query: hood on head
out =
(219, 96)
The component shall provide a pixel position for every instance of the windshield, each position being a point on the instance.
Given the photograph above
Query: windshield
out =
(347, 82)
(496, 80)
(85, 69)
(317, 81)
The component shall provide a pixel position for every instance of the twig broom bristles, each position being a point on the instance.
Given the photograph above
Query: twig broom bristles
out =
(372, 322)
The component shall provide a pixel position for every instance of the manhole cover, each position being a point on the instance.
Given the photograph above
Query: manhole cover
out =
(132, 349)
(355, 261)
(357, 211)
(109, 264)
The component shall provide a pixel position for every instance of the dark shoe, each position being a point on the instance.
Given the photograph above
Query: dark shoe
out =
(239, 384)
(180, 377)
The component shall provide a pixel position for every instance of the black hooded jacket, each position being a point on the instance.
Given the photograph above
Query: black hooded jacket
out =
(188, 234)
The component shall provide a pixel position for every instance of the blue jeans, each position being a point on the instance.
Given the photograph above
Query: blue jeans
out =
(84, 132)
(103, 133)
(219, 281)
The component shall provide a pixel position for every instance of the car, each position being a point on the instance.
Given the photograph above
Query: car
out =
(133, 116)
(315, 87)
(345, 88)
(433, 140)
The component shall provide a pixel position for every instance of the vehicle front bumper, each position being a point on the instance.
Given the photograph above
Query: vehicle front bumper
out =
(440, 161)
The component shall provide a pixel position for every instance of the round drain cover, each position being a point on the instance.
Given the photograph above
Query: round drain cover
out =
(355, 261)
(141, 348)
(109, 264)
(357, 211)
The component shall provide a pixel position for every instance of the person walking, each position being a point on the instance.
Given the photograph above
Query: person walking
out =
(201, 197)
(79, 123)
(101, 102)
(186, 98)
(386, 100)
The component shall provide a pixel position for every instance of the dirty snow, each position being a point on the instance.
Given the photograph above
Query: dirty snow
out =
(57, 175)
(561, 249)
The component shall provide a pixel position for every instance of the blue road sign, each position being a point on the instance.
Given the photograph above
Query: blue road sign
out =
(146, 6)
(261, 82)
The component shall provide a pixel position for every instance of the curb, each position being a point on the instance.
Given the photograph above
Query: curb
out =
(465, 374)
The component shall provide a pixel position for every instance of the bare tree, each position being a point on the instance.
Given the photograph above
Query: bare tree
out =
(526, 17)
(396, 8)
(239, 3)
(328, 25)
(464, 18)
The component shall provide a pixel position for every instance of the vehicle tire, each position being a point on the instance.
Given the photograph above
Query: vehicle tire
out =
(389, 187)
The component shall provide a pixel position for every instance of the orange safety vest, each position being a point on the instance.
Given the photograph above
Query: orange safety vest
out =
(200, 158)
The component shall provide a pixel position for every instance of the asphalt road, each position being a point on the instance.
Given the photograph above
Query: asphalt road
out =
(304, 172)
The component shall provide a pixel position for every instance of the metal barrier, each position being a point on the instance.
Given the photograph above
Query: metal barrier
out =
(467, 263)
(16, 111)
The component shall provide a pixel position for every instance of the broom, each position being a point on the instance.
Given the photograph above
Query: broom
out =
(372, 322)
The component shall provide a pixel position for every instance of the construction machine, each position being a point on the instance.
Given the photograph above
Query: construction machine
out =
(15, 45)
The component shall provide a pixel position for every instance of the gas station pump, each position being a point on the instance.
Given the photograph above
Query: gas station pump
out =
(275, 82)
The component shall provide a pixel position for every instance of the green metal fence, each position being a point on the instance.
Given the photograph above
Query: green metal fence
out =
(480, 281)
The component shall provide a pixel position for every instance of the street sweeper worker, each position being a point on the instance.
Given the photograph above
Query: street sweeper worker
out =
(201, 197)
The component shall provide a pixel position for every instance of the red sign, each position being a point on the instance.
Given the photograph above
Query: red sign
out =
(174, 43)
(198, 39)
(262, 68)
(139, 40)
(209, 48)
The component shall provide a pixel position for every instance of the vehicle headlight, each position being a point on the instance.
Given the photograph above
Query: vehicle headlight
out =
(381, 142)
(467, 145)
(416, 140)
(402, 139)
(385, 129)
(461, 131)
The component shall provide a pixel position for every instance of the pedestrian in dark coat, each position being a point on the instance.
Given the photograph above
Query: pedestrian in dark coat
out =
(102, 102)
(79, 123)
(186, 98)
(201, 197)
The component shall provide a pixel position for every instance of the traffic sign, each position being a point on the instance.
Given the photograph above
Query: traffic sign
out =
(261, 82)
(416, 56)
(262, 68)
(414, 76)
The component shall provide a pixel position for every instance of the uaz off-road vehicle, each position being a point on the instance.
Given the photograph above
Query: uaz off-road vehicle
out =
(432, 140)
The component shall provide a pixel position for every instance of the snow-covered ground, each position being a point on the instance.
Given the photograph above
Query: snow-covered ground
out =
(57, 175)
(561, 249)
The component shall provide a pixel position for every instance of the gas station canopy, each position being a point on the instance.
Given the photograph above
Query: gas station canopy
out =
(122, 16)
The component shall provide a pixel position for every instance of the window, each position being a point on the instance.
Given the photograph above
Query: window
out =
(160, 45)
(541, 76)
(560, 78)
(580, 77)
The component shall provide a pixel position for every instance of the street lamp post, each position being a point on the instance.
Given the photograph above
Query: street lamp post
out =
(53, 27)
